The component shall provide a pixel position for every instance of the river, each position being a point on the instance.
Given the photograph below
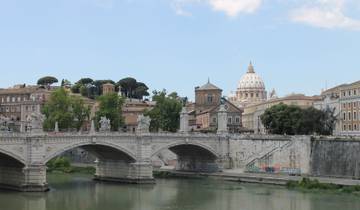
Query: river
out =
(79, 192)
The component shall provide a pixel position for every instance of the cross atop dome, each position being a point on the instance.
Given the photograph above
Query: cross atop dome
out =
(251, 68)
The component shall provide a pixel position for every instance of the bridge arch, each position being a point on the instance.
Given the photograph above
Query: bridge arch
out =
(11, 156)
(192, 156)
(205, 147)
(91, 147)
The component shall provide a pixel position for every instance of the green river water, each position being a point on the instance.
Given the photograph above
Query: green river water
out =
(79, 192)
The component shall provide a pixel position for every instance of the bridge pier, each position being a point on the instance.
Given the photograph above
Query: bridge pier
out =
(124, 172)
(26, 179)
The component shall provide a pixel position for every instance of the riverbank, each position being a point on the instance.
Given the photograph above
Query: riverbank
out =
(260, 178)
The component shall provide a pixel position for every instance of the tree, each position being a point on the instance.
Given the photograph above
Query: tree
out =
(166, 113)
(141, 90)
(46, 81)
(65, 83)
(85, 81)
(292, 120)
(128, 85)
(69, 112)
(99, 85)
(110, 107)
(80, 112)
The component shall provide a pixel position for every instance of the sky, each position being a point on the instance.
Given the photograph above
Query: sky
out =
(296, 46)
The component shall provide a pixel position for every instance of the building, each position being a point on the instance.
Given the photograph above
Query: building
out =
(203, 113)
(19, 102)
(250, 90)
(108, 88)
(350, 108)
(131, 109)
(330, 100)
(252, 113)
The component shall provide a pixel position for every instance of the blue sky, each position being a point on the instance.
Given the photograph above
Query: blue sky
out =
(295, 45)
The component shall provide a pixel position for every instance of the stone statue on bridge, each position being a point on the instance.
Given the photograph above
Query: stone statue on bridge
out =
(104, 124)
(36, 122)
(143, 124)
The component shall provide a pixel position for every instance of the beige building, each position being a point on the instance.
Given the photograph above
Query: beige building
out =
(203, 113)
(131, 109)
(19, 102)
(330, 100)
(250, 90)
(108, 88)
(350, 109)
(251, 117)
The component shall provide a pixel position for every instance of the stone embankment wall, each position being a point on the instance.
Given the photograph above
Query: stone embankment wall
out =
(336, 157)
(271, 154)
(297, 155)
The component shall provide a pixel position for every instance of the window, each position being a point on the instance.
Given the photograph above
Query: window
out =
(237, 120)
(8, 99)
(252, 95)
(214, 120)
(349, 116)
(344, 128)
(19, 99)
(210, 98)
(13, 99)
(2, 100)
(355, 127)
(354, 105)
(344, 115)
(355, 115)
(355, 92)
(257, 95)
(349, 93)
(344, 105)
(229, 120)
(344, 93)
(350, 127)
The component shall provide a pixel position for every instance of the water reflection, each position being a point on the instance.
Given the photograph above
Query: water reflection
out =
(80, 192)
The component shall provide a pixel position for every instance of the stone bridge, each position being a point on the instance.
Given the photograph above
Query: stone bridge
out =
(120, 156)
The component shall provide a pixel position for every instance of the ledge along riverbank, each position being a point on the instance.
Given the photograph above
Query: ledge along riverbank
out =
(272, 179)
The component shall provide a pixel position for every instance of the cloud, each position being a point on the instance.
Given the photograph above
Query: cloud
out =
(231, 8)
(325, 14)
(234, 7)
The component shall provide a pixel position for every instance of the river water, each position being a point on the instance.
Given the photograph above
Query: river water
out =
(79, 192)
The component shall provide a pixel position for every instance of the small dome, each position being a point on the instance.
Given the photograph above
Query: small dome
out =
(251, 80)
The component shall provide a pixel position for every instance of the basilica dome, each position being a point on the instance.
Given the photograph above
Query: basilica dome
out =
(251, 80)
(250, 89)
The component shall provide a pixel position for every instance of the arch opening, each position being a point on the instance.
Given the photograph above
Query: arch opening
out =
(11, 171)
(194, 158)
(98, 151)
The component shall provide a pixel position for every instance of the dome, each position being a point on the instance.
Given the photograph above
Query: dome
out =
(251, 80)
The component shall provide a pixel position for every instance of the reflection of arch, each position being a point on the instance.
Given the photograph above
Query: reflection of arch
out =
(118, 148)
(202, 146)
(12, 156)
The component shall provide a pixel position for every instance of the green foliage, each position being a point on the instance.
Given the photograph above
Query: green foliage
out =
(98, 86)
(90, 88)
(59, 163)
(166, 113)
(69, 111)
(292, 120)
(133, 89)
(110, 107)
(85, 81)
(48, 80)
(76, 88)
(62, 164)
(308, 184)
(65, 83)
